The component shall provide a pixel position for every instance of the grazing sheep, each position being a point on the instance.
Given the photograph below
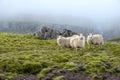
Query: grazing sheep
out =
(95, 39)
(78, 41)
(63, 41)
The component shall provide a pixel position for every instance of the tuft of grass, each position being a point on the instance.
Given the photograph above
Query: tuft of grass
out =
(59, 78)
(43, 72)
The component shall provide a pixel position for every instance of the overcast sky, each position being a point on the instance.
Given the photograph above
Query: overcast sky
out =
(61, 11)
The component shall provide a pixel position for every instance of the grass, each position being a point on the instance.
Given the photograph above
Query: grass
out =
(24, 54)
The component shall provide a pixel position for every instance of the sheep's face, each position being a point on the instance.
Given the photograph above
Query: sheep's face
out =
(90, 35)
(59, 36)
(81, 38)
(80, 34)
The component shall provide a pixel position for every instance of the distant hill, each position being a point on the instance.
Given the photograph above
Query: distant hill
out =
(34, 26)
(117, 39)
(30, 27)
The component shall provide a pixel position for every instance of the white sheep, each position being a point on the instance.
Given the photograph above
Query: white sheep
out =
(77, 41)
(63, 41)
(95, 39)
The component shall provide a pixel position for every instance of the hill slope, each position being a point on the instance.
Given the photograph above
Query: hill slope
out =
(26, 57)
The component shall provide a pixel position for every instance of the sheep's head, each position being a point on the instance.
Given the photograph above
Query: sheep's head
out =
(90, 35)
(81, 38)
(80, 34)
(59, 36)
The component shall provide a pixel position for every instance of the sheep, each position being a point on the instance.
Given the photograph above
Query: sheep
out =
(77, 41)
(63, 41)
(95, 39)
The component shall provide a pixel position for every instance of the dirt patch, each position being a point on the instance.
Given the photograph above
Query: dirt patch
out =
(109, 76)
(68, 75)
(25, 77)
(78, 75)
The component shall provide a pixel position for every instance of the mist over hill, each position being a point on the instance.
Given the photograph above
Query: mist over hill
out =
(32, 26)
(27, 16)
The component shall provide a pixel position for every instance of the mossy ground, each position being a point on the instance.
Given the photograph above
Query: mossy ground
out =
(22, 54)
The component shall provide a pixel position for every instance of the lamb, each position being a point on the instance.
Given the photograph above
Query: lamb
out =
(95, 39)
(78, 41)
(63, 41)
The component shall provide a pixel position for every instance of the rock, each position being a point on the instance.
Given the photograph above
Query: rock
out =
(48, 33)
(67, 33)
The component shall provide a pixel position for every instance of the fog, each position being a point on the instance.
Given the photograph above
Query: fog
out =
(99, 13)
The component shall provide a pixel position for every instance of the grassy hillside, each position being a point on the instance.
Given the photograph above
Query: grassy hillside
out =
(26, 57)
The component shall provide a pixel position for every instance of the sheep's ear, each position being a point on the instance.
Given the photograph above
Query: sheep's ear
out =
(79, 34)
(92, 33)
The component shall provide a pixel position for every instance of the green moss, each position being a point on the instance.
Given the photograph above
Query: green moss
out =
(71, 66)
(43, 72)
(7, 76)
(59, 78)
(25, 54)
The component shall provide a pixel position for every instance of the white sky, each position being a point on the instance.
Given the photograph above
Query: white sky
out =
(57, 10)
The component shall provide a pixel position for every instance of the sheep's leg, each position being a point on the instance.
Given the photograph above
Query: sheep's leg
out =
(59, 48)
(93, 46)
(100, 45)
(73, 50)
(76, 49)
(81, 51)
(62, 47)
(89, 46)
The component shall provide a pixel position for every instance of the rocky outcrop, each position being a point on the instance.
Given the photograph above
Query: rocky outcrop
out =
(67, 33)
(48, 33)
